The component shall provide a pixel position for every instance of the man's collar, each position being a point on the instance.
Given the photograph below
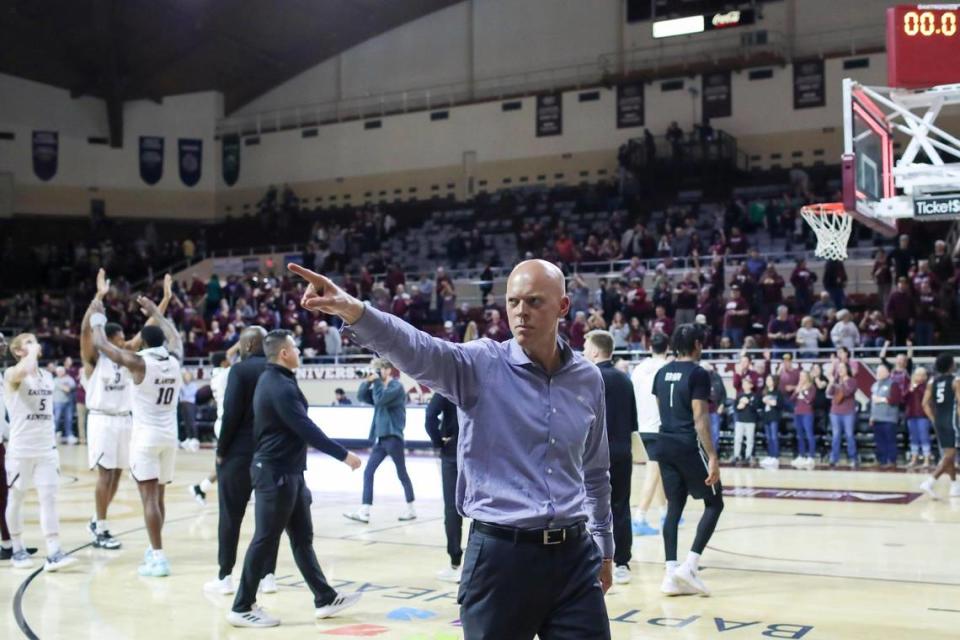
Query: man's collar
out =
(606, 364)
(282, 369)
(517, 356)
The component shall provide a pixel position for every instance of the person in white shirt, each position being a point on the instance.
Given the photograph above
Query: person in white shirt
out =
(648, 419)
(32, 459)
(157, 377)
(808, 338)
(221, 362)
(109, 403)
(845, 332)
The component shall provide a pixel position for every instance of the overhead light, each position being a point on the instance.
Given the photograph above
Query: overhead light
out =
(678, 27)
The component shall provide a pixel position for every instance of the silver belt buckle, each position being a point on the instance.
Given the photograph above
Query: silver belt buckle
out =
(548, 539)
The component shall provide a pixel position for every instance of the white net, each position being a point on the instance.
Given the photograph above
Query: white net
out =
(832, 225)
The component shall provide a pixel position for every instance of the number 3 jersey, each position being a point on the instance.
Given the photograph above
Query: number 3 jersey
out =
(31, 416)
(155, 400)
(110, 388)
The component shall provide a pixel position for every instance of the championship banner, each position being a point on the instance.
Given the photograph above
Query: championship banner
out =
(45, 149)
(550, 115)
(809, 87)
(191, 158)
(717, 102)
(231, 159)
(151, 159)
(630, 111)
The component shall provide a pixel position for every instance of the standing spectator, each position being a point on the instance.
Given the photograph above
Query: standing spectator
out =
(873, 330)
(822, 309)
(808, 338)
(578, 331)
(843, 412)
(661, 323)
(772, 405)
(882, 275)
(746, 412)
(620, 332)
(447, 297)
(637, 336)
(63, 405)
(802, 280)
(771, 291)
(214, 294)
(835, 281)
(787, 378)
(736, 317)
(884, 416)
(622, 422)
(782, 330)
(188, 413)
(903, 258)
(389, 401)
(686, 295)
(941, 265)
(927, 315)
(718, 403)
(845, 332)
(803, 398)
(900, 311)
(189, 250)
(918, 424)
(579, 294)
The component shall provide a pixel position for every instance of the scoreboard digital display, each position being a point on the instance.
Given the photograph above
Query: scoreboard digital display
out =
(923, 45)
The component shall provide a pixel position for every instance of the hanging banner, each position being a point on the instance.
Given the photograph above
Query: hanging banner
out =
(716, 97)
(809, 88)
(231, 159)
(151, 159)
(45, 149)
(630, 105)
(550, 115)
(191, 157)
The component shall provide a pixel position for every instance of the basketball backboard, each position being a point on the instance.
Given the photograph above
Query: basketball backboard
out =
(924, 181)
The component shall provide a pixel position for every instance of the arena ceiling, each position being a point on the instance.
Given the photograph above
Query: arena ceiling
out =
(131, 49)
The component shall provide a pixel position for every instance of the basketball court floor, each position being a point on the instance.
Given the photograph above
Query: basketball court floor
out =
(798, 554)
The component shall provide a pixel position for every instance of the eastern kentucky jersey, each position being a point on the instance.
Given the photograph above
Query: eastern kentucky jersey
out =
(155, 400)
(30, 408)
(676, 385)
(109, 388)
(648, 412)
(944, 402)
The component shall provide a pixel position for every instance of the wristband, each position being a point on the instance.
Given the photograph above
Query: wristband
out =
(98, 320)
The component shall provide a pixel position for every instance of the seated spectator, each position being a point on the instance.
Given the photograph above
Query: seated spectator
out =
(821, 308)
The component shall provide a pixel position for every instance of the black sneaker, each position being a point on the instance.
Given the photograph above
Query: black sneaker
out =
(92, 528)
(7, 554)
(199, 495)
(106, 541)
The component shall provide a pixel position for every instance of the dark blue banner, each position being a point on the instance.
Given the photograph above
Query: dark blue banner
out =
(151, 159)
(550, 115)
(231, 159)
(191, 159)
(45, 150)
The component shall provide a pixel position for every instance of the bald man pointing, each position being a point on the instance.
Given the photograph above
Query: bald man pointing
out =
(533, 457)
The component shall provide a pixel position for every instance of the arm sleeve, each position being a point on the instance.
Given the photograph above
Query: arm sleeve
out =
(232, 411)
(451, 369)
(385, 395)
(596, 480)
(700, 385)
(290, 407)
(364, 393)
(432, 420)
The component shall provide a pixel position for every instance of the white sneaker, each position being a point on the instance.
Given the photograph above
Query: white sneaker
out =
(21, 560)
(621, 574)
(58, 561)
(409, 514)
(341, 602)
(927, 487)
(811, 463)
(769, 463)
(358, 516)
(672, 587)
(268, 584)
(955, 489)
(798, 462)
(256, 617)
(450, 574)
(223, 587)
(689, 577)
(73, 440)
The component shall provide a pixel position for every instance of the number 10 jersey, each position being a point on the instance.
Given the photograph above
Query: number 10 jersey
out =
(155, 400)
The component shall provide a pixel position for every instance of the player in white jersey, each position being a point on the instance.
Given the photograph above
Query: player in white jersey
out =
(109, 405)
(153, 441)
(218, 387)
(648, 419)
(32, 459)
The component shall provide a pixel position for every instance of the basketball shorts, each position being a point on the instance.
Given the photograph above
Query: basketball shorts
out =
(152, 463)
(683, 467)
(33, 471)
(947, 434)
(108, 440)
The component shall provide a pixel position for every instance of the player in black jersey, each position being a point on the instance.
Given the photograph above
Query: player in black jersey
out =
(940, 405)
(688, 461)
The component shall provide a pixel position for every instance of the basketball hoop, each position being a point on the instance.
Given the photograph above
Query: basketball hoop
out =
(831, 223)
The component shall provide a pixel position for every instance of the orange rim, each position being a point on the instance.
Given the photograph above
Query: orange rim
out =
(825, 209)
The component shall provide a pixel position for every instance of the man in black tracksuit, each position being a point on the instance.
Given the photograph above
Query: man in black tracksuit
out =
(281, 432)
(622, 421)
(235, 453)
(444, 429)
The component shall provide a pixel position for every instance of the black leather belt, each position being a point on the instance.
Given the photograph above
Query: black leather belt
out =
(534, 536)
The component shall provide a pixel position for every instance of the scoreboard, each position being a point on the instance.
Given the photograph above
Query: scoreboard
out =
(923, 45)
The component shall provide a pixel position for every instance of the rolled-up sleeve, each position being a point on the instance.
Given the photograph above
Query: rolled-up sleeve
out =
(596, 479)
(451, 369)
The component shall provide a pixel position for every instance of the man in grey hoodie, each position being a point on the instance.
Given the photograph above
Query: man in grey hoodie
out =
(884, 414)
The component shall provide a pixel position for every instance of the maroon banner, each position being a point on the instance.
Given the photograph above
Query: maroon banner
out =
(825, 495)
